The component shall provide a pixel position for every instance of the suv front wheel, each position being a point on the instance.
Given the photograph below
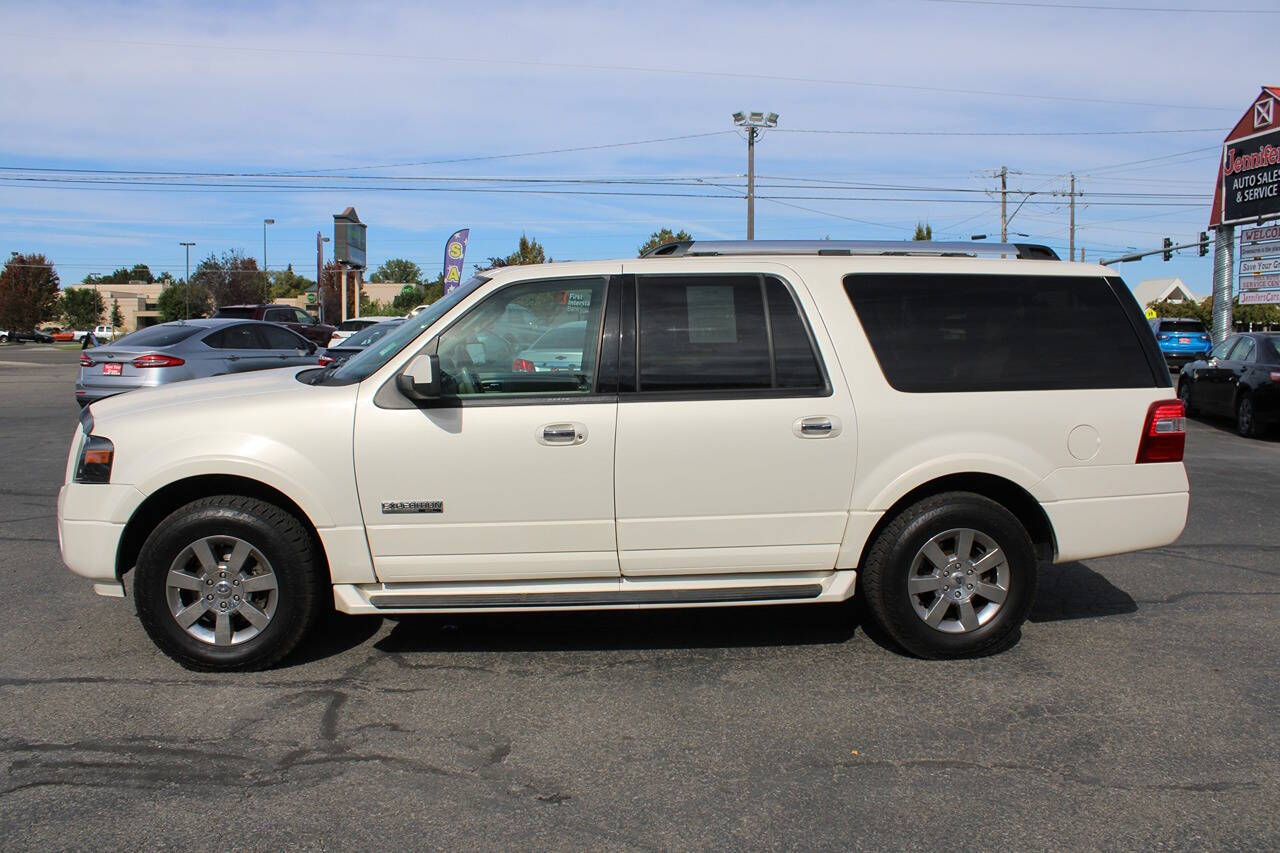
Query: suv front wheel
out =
(951, 576)
(228, 583)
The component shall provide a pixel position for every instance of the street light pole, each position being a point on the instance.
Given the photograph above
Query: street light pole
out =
(265, 223)
(186, 290)
(753, 123)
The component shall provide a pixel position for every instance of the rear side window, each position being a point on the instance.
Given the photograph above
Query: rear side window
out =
(1243, 351)
(243, 336)
(947, 333)
(159, 336)
(722, 333)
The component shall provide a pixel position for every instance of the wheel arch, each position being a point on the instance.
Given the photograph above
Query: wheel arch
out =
(1005, 492)
(160, 503)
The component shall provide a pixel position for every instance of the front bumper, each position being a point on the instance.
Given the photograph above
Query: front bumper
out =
(91, 520)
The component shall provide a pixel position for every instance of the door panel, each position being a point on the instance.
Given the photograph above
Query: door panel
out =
(737, 463)
(510, 478)
(513, 507)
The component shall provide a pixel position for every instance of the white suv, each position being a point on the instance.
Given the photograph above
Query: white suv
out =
(739, 423)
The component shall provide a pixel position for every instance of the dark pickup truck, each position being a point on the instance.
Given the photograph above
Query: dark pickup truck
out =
(289, 316)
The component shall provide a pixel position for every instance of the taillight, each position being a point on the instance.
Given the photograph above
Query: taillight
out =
(1164, 435)
(1275, 376)
(157, 360)
(325, 360)
(522, 365)
(85, 361)
(1164, 336)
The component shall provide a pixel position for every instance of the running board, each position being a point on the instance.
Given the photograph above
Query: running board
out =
(682, 591)
(573, 599)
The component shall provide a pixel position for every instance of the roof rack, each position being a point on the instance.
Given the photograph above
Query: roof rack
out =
(694, 248)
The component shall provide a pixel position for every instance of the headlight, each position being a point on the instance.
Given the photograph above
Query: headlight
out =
(94, 465)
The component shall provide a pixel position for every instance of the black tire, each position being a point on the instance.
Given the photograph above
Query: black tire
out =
(1246, 417)
(284, 543)
(1184, 394)
(884, 576)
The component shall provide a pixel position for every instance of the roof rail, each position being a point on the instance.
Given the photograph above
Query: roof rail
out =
(694, 248)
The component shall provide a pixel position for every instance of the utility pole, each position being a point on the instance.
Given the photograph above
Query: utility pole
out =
(753, 123)
(186, 290)
(1071, 245)
(1004, 201)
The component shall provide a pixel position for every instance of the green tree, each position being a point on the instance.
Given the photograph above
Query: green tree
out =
(924, 231)
(397, 270)
(664, 235)
(180, 301)
(28, 292)
(81, 307)
(287, 283)
(232, 278)
(419, 294)
(528, 251)
(123, 275)
(117, 318)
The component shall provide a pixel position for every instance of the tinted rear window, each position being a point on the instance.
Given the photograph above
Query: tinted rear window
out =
(369, 335)
(353, 325)
(158, 336)
(235, 313)
(1181, 326)
(940, 333)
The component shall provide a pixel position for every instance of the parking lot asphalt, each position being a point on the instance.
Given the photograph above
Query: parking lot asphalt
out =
(1138, 710)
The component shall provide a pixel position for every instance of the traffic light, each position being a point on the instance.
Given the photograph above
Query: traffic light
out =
(1167, 254)
(1204, 243)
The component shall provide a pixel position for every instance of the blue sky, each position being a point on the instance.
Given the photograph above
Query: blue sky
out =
(378, 94)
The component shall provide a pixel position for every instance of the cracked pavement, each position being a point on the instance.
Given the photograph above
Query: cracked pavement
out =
(1138, 710)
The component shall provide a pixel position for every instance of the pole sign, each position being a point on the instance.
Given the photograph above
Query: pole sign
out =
(455, 252)
(1248, 190)
(349, 239)
(1260, 265)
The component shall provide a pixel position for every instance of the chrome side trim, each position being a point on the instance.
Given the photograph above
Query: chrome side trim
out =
(574, 599)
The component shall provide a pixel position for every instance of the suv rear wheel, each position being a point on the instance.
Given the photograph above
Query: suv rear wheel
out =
(951, 576)
(227, 583)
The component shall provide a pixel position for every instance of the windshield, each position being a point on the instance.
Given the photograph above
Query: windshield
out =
(371, 334)
(371, 358)
(159, 336)
(1181, 326)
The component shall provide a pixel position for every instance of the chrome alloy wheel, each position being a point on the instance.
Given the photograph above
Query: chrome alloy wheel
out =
(221, 590)
(958, 581)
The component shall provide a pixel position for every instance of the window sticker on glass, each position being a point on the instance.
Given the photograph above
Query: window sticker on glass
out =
(712, 319)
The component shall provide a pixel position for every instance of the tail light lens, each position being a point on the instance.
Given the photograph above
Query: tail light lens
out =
(522, 365)
(1275, 376)
(85, 361)
(157, 360)
(1164, 435)
(324, 360)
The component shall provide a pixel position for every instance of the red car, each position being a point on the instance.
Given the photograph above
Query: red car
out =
(289, 316)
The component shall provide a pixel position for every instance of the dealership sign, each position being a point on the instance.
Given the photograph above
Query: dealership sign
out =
(1260, 297)
(1248, 189)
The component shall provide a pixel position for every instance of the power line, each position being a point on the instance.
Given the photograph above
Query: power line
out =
(1226, 10)
(578, 66)
(1001, 132)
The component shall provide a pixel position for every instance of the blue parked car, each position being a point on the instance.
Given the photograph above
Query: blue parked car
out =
(1181, 340)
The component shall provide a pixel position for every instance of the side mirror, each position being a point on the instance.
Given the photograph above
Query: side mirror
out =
(421, 379)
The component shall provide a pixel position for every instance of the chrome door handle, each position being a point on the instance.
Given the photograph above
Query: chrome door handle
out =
(817, 426)
(566, 433)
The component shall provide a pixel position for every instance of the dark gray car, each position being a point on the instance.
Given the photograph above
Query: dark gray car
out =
(192, 349)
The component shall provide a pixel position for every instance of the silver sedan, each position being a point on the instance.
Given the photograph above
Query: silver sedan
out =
(190, 349)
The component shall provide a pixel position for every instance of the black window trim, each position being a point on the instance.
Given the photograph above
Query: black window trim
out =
(388, 395)
(629, 373)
